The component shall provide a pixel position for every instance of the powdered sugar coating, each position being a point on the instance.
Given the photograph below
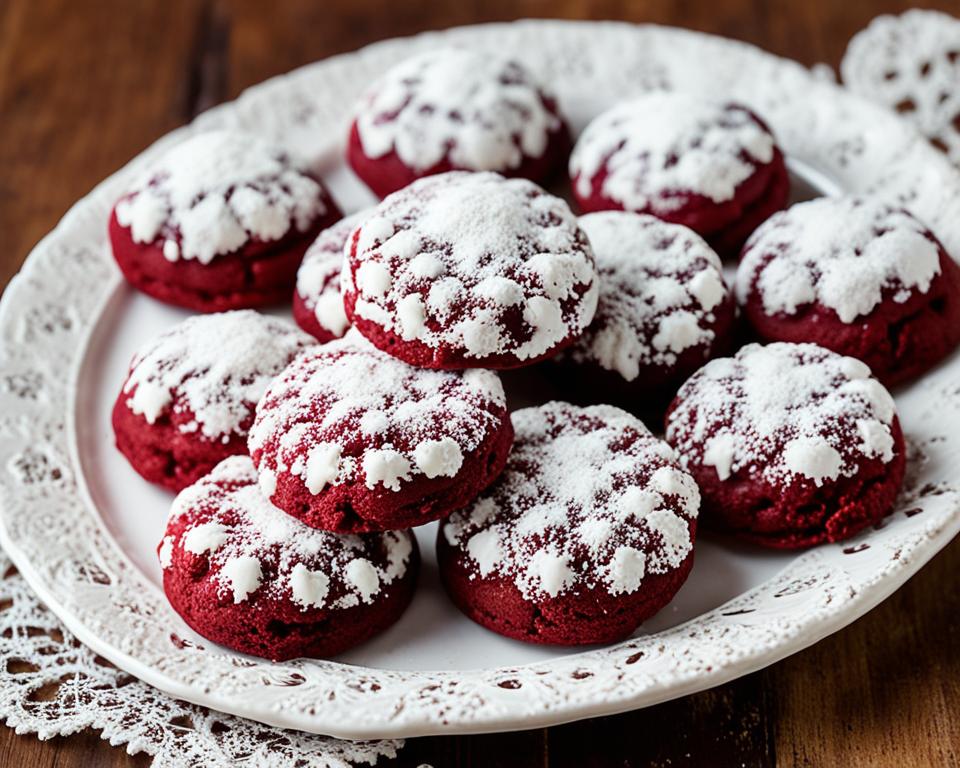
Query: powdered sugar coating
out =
(589, 499)
(477, 263)
(658, 149)
(254, 548)
(479, 111)
(215, 192)
(659, 286)
(212, 369)
(318, 279)
(347, 413)
(788, 412)
(846, 254)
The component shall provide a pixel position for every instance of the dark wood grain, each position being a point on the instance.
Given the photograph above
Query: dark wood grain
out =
(84, 88)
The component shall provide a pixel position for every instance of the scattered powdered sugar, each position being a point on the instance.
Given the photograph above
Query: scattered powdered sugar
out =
(349, 413)
(209, 371)
(784, 411)
(657, 149)
(447, 260)
(165, 552)
(251, 545)
(477, 110)
(843, 253)
(813, 457)
(318, 279)
(589, 499)
(659, 286)
(216, 191)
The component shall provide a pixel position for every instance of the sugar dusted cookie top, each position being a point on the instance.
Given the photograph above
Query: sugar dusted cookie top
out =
(347, 413)
(847, 254)
(471, 269)
(660, 285)
(256, 551)
(589, 499)
(793, 413)
(652, 153)
(318, 279)
(218, 191)
(207, 373)
(478, 111)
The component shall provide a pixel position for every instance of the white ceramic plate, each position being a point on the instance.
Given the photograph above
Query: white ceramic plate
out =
(82, 527)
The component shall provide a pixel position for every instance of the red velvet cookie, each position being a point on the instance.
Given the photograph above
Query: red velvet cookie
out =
(454, 109)
(588, 532)
(244, 574)
(714, 168)
(221, 221)
(317, 303)
(791, 444)
(664, 310)
(470, 270)
(189, 398)
(350, 439)
(855, 276)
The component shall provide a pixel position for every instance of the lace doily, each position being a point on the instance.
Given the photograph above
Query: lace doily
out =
(53, 685)
(51, 526)
(911, 64)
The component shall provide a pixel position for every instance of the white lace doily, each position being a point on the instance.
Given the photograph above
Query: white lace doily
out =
(54, 533)
(55, 686)
(911, 64)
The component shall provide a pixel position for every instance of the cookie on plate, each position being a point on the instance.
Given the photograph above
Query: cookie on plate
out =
(245, 575)
(663, 311)
(317, 303)
(220, 221)
(712, 167)
(588, 532)
(791, 444)
(189, 397)
(858, 277)
(350, 439)
(470, 270)
(455, 109)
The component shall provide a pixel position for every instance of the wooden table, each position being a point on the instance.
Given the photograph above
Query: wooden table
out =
(84, 87)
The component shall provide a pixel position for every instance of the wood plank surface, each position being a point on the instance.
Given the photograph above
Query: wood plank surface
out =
(84, 87)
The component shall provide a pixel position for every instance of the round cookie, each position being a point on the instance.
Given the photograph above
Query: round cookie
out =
(317, 303)
(663, 311)
(350, 439)
(189, 397)
(858, 277)
(588, 532)
(221, 221)
(245, 575)
(791, 444)
(470, 270)
(714, 168)
(454, 109)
